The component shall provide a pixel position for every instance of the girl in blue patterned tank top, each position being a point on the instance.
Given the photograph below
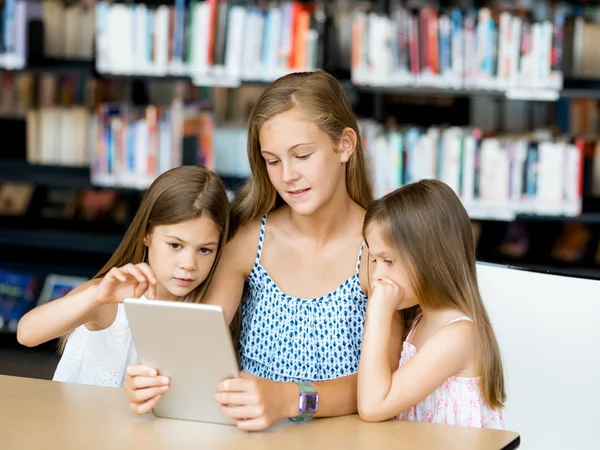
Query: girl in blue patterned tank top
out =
(296, 261)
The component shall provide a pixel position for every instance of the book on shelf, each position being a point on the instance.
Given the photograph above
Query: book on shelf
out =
(17, 296)
(230, 144)
(15, 17)
(452, 48)
(496, 177)
(66, 31)
(15, 198)
(57, 286)
(215, 42)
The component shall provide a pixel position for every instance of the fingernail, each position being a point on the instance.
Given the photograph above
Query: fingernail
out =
(164, 380)
(153, 373)
(164, 388)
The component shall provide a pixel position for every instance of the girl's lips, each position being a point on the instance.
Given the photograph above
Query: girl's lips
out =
(299, 192)
(183, 281)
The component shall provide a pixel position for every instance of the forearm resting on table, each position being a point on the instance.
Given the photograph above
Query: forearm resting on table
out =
(337, 397)
(375, 378)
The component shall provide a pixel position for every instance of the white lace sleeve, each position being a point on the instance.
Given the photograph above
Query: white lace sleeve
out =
(98, 357)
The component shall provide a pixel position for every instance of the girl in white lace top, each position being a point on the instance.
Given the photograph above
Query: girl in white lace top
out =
(169, 252)
(423, 264)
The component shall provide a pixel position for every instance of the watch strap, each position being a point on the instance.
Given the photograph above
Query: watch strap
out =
(306, 389)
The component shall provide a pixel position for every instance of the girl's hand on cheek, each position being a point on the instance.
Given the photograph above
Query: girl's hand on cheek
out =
(386, 294)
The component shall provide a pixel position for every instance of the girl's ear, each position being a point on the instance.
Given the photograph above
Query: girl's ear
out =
(347, 145)
(147, 239)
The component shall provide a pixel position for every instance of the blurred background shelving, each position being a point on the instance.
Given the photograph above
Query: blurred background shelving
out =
(497, 98)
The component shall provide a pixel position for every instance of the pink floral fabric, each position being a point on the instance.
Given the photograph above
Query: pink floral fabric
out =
(456, 402)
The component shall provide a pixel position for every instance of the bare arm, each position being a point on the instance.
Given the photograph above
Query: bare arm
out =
(256, 403)
(62, 315)
(92, 304)
(384, 393)
(234, 267)
(397, 324)
(337, 397)
(395, 340)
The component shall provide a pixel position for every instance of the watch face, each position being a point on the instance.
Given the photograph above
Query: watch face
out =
(310, 402)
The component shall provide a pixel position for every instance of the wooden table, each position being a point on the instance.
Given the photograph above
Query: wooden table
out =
(36, 414)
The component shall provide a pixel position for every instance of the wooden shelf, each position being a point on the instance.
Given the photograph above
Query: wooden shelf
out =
(589, 218)
(53, 176)
(572, 88)
(58, 67)
(60, 240)
(68, 177)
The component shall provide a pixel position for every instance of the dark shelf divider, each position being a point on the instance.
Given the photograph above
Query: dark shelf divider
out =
(52, 176)
(68, 177)
(60, 240)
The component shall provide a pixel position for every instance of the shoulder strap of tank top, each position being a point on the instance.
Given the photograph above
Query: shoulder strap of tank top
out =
(414, 325)
(360, 252)
(458, 319)
(261, 237)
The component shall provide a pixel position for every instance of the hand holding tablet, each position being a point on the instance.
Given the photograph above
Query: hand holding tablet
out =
(185, 350)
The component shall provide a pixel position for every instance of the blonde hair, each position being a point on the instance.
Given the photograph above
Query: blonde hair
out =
(427, 225)
(177, 195)
(322, 100)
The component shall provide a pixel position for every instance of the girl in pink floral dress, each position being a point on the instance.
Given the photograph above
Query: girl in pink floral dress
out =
(422, 267)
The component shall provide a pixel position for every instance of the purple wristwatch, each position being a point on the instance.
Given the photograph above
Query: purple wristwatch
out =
(308, 402)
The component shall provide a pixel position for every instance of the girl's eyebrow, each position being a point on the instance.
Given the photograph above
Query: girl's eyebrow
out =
(382, 254)
(293, 147)
(205, 244)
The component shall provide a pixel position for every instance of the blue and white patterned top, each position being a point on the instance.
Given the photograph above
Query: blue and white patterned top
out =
(286, 338)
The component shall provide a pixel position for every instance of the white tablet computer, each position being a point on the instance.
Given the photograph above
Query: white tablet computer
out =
(191, 344)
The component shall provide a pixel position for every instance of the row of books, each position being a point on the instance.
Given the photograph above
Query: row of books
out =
(131, 146)
(58, 136)
(215, 42)
(21, 91)
(56, 110)
(473, 49)
(496, 177)
(67, 30)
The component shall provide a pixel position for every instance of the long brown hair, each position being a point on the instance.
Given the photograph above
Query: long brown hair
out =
(427, 225)
(321, 98)
(177, 195)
